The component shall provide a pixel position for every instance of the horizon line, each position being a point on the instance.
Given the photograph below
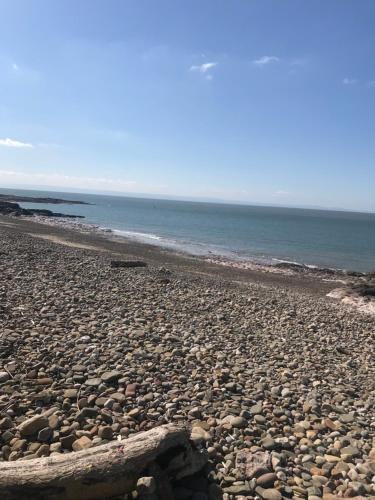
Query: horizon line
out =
(182, 198)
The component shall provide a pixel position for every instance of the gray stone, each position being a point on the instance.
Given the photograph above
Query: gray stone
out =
(4, 377)
(111, 376)
(235, 422)
(256, 409)
(86, 413)
(45, 434)
(93, 382)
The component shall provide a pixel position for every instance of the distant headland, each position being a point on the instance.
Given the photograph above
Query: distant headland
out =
(8, 206)
(33, 199)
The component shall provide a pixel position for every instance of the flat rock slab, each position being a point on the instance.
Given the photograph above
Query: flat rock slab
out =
(93, 382)
(251, 465)
(111, 376)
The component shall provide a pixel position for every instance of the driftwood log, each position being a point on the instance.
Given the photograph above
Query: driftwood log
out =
(104, 471)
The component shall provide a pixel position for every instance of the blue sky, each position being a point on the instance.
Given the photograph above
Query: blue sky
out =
(248, 100)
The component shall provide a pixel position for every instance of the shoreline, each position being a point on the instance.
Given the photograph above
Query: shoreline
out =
(335, 285)
(280, 266)
(298, 257)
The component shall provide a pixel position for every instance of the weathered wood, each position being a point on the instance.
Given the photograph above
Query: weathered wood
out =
(103, 471)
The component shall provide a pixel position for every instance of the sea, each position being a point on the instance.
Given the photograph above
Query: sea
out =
(263, 234)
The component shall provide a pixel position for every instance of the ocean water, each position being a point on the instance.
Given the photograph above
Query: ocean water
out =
(334, 239)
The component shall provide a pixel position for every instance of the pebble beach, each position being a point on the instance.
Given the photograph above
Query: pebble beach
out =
(275, 379)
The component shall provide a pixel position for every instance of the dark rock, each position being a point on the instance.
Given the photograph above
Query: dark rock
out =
(7, 208)
(32, 199)
(86, 413)
(111, 376)
(127, 263)
(105, 433)
(67, 441)
(45, 434)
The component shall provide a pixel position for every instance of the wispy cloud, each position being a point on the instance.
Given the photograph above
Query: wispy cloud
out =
(299, 62)
(349, 81)
(18, 70)
(264, 60)
(371, 83)
(281, 192)
(203, 68)
(56, 179)
(12, 143)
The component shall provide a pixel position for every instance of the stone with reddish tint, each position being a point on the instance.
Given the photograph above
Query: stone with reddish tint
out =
(266, 480)
(33, 425)
(131, 390)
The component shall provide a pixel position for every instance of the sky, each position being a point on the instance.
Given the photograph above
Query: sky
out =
(259, 101)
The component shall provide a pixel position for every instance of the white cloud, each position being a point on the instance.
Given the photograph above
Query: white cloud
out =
(203, 68)
(262, 61)
(349, 81)
(21, 72)
(371, 83)
(281, 192)
(12, 143)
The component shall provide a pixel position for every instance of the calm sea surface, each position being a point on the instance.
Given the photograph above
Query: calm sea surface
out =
(322, 238)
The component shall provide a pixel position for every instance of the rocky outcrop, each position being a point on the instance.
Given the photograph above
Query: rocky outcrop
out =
(360, 294)
(32, 199)
(365, 289)
(13, 209)
(320, 271)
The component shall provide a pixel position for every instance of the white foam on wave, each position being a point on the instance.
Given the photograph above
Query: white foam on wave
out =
(188, 247)
(136, 234)
(302, 264)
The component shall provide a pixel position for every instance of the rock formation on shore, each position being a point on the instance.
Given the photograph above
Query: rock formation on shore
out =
(359, 294)
(14, 209)
(37, 199)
